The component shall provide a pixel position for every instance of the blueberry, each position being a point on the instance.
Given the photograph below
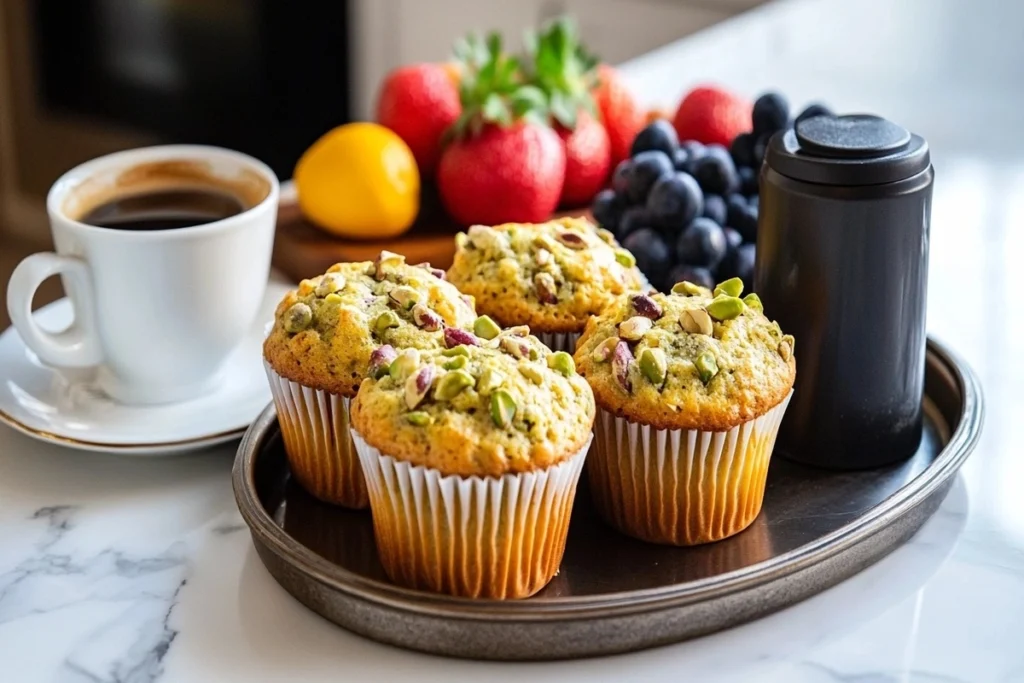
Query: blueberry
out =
(771, 114)
(754, 201)
(647, 168)
(693, 148)
(734, 203)
(695, 274)
(743, 266)
(748, 180)
(715, 149)
(621, 175)
(714, 208)
(658, 135)
(716, 173)
(742, 149)
(702, 243)
(680, 158)
(674, 201)
(633, 218)
(733, 239)
(652, 254)
(607, 208)
(813, 110)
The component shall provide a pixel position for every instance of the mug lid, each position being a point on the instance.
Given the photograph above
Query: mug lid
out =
(854, 149)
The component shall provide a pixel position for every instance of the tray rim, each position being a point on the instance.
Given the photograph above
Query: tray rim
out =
(625, 603)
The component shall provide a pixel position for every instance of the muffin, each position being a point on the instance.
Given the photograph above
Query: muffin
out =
(550, 276)
(472, 455)
(690, 387)
(332, 332)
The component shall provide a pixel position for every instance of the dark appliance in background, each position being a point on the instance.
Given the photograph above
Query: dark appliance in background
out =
(265, 77)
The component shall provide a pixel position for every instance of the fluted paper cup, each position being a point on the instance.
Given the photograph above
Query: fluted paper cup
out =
(318, 442)
(677, 486)
(559, 341)
(478, 537)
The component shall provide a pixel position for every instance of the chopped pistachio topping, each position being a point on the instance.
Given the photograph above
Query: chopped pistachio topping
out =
(452, 383)
(456, 363)
(333, 299)
(687, 289)
(405, 297)
(459, 350)
(653, 365)
(634, 328)
(329, 284)
(503, 408)
(490, 379)
(404, 364)
(696, 321)
(724, 307)
(418, 384)
(485, 327)
(605, 349)
(707, 366)
(419, 418)
(624, 258)
(531, 373)
(562, 362)
(753, 301)
(731, 287)
(297, 318)
(385, 321)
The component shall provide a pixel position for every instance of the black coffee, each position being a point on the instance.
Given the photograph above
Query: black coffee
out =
(165, 210)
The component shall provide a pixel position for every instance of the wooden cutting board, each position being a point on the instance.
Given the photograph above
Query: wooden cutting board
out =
(302, 250)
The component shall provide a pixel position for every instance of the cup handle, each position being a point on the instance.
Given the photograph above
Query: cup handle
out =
(79, 345)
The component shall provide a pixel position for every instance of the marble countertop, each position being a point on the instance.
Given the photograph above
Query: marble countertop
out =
(118, 570)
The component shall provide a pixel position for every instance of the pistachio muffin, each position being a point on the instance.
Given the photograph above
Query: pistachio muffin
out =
(333, 331)
(472, 455)
(691, 388)
(551, 276)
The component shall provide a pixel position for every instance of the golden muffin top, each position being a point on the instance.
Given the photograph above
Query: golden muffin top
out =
(326, 332)
(508, 404)
(551, 276)
(692, 359)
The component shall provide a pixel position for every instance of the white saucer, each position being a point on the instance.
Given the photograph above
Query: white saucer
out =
(64, 408)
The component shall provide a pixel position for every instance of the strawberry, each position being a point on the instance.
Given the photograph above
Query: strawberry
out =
(588, 160)
(419, 103)
(709, 114)
(558, 64)
(621, 114)
(503, 163)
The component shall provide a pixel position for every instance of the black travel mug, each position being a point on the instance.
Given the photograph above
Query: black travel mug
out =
(842, 264)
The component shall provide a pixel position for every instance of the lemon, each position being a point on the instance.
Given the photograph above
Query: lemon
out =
(360, 181)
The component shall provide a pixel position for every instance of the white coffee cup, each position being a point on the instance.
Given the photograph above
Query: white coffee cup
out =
(156, 312)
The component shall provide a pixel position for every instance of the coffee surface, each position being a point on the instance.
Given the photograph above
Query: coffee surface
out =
(164, 209)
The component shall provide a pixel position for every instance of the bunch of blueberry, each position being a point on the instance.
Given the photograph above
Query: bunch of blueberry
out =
(688, 211)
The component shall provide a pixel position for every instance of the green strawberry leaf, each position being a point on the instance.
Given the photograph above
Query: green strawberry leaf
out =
(558, 64)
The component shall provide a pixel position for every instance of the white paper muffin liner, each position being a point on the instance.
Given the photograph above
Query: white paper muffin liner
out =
(677, 486)
(559, 341)
(318, 442)
(479, 537)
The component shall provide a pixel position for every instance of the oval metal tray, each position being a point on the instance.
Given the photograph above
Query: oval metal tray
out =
(613, 594)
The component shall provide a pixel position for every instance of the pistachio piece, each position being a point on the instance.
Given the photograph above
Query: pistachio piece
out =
(297, 318)
(646, 306)
(381, 360)
(634, 328)
(425, 318)
(562, 362)
(419, 418)
(731, 287)
(503, 408)
(490, 380)
(483, 237)
(543, 257)
(624, 258)
(404, 364)
(329, 284)
(605, 349)
(306, 287)
(461, 240)
(607, 236)
(753, 301)
(453, 336)
(544, 241)
(517, 331)
(707, 366)
(486, 328)
(456, 363)
(786, 347)
(459, 350)
(571, 239)
(452, 383)
(547, 290)
(724, 307)
(332, 299)
(531, 373)
(384, 321)
(436, 272)
(685, 288)
(404, 297)
(621, 358)
(514, 346)
(696, 321)
(418, 384)
(385, 261)
(653, 365)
